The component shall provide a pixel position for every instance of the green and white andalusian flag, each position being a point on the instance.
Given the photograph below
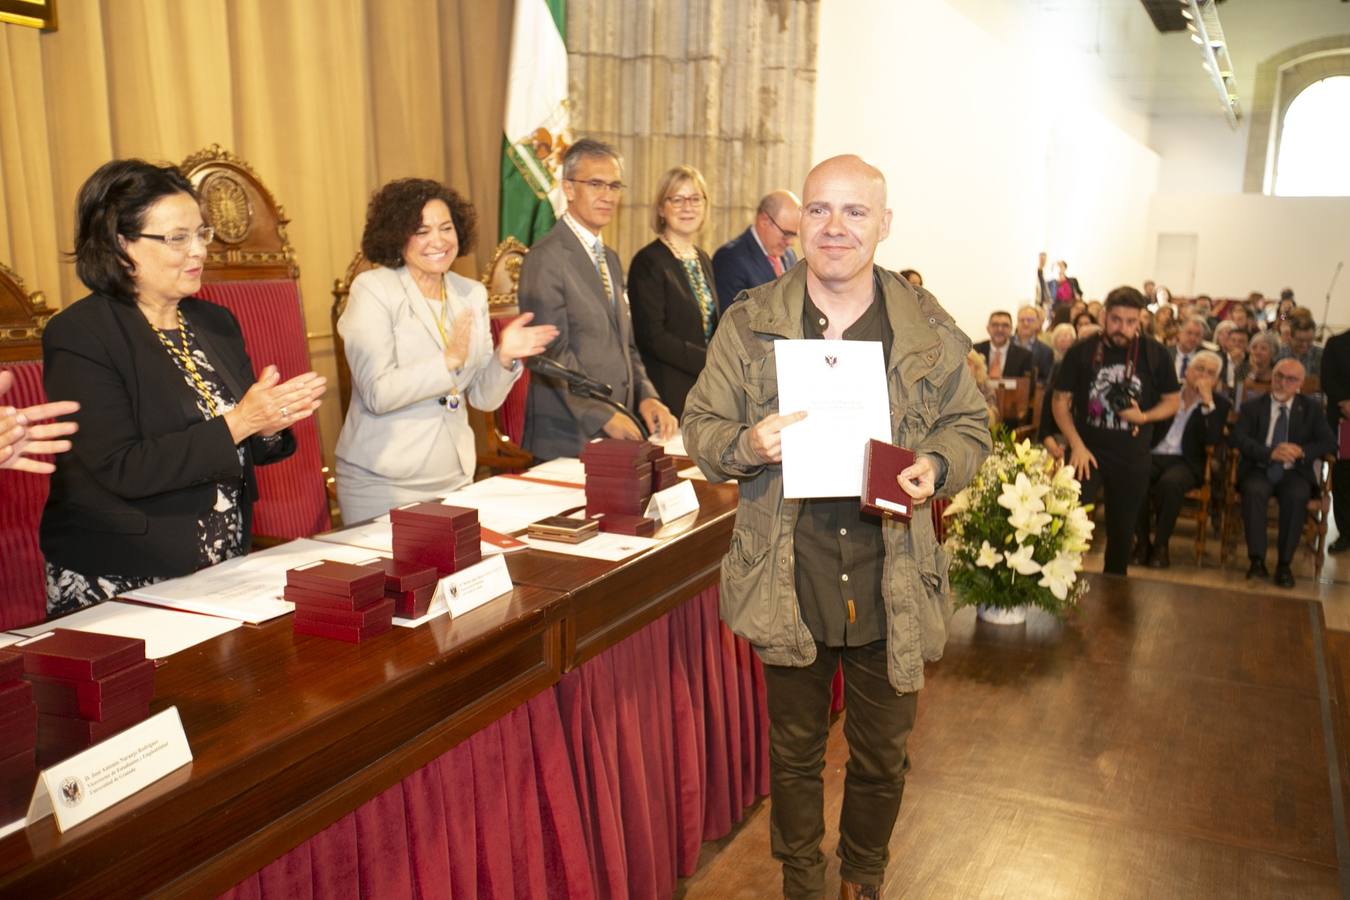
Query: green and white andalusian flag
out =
(536, 132)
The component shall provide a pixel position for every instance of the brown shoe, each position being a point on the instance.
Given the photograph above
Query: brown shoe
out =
(851, 890)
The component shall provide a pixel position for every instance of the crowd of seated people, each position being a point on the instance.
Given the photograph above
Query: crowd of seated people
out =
(1258, 395)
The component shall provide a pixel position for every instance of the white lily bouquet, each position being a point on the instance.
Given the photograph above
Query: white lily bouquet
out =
(1017, 533)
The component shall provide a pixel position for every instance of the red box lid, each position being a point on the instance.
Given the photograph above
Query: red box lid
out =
(638, 526)
(400, 575)
(413, 604)
(66, 730)
(616, 448)
(333, 577)
(435, 515)
(18, 730)
(15, 695)
(81, 654)
(881, 491)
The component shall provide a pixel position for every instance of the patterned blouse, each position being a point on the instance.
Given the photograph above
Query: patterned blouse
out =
(220, 531)
(693, 270)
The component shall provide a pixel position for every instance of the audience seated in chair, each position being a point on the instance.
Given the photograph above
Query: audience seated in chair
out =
(1280, 438)
(1180, 459)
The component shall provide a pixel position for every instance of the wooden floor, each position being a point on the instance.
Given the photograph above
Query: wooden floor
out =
(1168, 740)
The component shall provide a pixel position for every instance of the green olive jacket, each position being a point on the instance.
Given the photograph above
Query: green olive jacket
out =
(936, 409)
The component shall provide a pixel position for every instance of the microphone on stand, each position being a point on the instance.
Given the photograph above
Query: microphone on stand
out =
(1326, 307)
(547, 367)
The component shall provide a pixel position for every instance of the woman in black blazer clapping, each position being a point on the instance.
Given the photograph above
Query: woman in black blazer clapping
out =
(670, 288)
(171, 419)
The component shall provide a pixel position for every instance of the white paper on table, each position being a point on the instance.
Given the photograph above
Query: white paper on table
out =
(673, 446)
(165, 631)
(507, 505)
(842, 387)
(693, 472)
(247, 587)
(606, 545)
(564, 468)
(7, 639)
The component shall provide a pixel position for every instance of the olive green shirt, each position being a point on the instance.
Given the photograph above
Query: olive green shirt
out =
(839, 551)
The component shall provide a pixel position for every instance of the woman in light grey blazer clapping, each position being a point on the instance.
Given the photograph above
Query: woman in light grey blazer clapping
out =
(419, 344)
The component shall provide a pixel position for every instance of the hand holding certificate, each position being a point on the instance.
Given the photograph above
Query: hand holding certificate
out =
(841, 386)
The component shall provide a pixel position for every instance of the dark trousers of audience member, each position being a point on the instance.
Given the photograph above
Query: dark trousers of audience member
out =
(1340, 495)
(1168, 481)
(1121, 473)
(1292, 493)
(877, 723)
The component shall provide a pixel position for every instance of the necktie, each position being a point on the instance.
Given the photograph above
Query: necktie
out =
(995, 363)
(777, 263)
(602, 266)
(1186, 361)
(1275, 471)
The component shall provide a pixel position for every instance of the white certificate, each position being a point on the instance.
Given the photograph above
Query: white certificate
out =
(842, 387)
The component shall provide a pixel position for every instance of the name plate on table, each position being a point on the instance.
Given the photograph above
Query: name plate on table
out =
(672, 503)
(107, 773)
(476, 585)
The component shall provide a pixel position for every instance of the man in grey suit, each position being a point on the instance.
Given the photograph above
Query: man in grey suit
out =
(572, 281)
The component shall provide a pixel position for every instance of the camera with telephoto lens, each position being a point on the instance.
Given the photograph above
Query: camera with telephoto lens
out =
(1121, 395)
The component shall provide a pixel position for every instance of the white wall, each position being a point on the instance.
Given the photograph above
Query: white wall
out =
(990, 155)
(1251, 242)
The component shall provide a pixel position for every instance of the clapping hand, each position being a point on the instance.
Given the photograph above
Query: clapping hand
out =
(457, 343)
(271, 405)
(520, 339)
(20, 439)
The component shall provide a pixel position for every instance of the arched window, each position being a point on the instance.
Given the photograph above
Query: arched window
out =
(1311, 161)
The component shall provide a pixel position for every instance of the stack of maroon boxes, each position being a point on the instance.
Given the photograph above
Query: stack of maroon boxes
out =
(410, 585)
(618, 476)
(18, 738)
(339, 601)
(87, 687)
(665, 471)
(433, 534)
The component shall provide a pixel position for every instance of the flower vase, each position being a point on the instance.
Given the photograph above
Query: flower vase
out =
(998, 615)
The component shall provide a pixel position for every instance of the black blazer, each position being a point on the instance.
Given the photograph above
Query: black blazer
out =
(667, 321)
(739, 265)
(1043, 359)
(1018, 363)
(1201, 431)
(1336, 375)
(144, 465)
(1307, 428)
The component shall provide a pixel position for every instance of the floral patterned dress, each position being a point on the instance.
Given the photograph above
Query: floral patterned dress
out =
(220, 531)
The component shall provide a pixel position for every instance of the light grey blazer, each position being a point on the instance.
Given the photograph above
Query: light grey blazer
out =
(560, 285)
(396, 427)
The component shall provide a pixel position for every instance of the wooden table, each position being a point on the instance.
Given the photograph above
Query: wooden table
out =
(290, 732)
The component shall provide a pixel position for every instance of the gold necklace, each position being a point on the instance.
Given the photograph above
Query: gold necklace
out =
(184, 358)
(451, 399)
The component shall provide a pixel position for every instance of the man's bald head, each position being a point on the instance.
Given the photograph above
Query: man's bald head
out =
(844, 217)
(777, 221)
(847, 166)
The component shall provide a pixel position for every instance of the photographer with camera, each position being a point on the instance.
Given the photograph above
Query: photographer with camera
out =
(1109, 391)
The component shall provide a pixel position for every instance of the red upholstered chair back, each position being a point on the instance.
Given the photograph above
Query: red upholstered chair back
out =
(23, 598)
(251, 270)
(22, 495)
(292, 501)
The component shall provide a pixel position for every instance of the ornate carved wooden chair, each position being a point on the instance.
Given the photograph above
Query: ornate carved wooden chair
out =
(495, 433)
(251, 270)
(23, 315)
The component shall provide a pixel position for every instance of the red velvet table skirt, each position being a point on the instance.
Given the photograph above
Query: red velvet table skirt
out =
(603, 786)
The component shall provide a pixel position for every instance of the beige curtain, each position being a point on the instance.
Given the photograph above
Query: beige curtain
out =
(326, 99)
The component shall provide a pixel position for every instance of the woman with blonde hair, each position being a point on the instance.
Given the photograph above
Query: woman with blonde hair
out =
(671, 288)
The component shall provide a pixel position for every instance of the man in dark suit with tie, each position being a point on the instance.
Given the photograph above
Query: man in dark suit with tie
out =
(1336, 385)
(1190, 337)
(1178, 456)
(1003, 357)
(762, 252)
(1279, 436)
(572, 281)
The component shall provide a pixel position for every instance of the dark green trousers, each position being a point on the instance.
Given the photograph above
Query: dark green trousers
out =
(877, 723)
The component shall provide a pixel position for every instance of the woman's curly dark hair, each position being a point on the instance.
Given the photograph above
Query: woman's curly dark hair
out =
(395, 214)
